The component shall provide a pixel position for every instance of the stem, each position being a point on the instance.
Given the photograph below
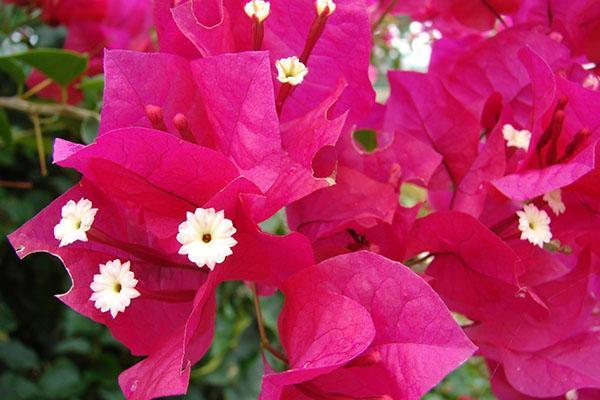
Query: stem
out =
(37, 88)
(39, 143)
(264, 340)
(387, 10)
(284, 92)
(258, 33)
(16, 184)
(63, 110)
(496, 13)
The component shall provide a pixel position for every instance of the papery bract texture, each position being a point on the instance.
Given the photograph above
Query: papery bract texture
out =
(397, 338)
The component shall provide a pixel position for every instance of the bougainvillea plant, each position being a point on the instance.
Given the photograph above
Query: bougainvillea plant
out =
(456, 216)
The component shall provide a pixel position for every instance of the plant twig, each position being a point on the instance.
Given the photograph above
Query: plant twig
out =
(39, 143)
(496, 13)
(264, 340)
(63, 110)
(387, 10)
(37, 88)
(16, 184)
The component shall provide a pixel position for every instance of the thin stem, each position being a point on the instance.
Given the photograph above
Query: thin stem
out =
(259, 316)
(16, 184)
(258, 33)
(264, 340)
(496, 13)
(63, 110)
(37, 129)
(387, 10)
(37, 88)
(276, 353)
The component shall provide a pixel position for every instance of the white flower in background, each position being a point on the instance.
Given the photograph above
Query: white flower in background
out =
(258, 9)
(516, 138)
(554, 200)
(591, 82)
(206, 237)
(290, 70)
(114, 287)
(534, 225)
(321, 5)
(76, 220)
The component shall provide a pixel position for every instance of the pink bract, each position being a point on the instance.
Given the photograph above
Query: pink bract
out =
(367, 352)
(143, 182)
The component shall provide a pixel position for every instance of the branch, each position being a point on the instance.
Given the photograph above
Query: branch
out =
(39, 143)
(63, 110)
(264, 340)
(16, 184)
(385, 12)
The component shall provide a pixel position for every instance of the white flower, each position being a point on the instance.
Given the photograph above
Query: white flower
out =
(571, 395)
(591, 82)
(515, 138)
(554, 200)
(258, 9)
(534, 225)
(206, 237)
(321, 5)
(290, 70)
(114, 287)
(76, 220)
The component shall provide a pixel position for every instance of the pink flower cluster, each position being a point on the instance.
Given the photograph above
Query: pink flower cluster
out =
(485, 171)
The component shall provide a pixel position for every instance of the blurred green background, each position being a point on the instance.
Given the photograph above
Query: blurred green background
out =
(48, 351)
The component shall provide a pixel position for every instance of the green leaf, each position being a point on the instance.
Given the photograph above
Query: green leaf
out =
(95, 83)
(366, 138)
(17, 356)
(92, 89)
(89, 130)
(62, 66)
(17, 387)
(61, 380)
(73, 346)
(7, 319)
(13, 69)
(5, 130)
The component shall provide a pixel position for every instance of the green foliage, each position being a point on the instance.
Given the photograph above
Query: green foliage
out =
(13, 69)
(62, 66)
(366, 138)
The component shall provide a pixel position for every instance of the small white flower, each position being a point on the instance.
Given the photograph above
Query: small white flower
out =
(321, 5)
(591, 82)
(554, 200)
(534, 225)
(290, 70)
(258, 9)
(515, 138)
(76, 220)
(206, 237)
(114, 287)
